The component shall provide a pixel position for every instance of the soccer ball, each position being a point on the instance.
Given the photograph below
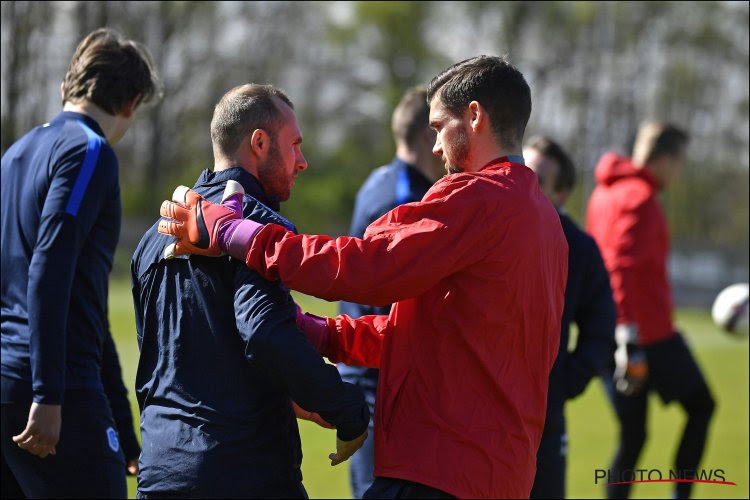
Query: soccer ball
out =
(730, 309)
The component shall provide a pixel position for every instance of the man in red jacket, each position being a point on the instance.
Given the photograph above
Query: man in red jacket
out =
(627, 222)
(477, 272)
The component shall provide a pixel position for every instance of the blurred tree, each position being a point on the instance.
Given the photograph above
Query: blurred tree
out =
(596, 69)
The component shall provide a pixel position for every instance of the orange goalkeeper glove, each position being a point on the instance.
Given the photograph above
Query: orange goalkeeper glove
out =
(206, 228)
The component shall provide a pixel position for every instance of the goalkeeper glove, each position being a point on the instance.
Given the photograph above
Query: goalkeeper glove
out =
(631, 368)
(206, 228)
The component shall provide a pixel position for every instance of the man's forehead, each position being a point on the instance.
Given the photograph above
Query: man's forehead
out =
(437, 109)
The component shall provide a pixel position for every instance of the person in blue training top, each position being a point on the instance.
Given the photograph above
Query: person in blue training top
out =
(221, 357)
(60, 226)
(588, 303)
(405, 179)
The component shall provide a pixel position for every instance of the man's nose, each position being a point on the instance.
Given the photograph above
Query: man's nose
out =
(437, 149)
(301, 162)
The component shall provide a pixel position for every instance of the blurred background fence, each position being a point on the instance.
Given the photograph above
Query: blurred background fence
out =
(596, 69)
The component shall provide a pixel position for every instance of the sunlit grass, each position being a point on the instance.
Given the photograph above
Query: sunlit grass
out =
(591, 421)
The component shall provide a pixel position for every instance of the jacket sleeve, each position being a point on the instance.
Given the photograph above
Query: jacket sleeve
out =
(357, 342)
(265, 318)
(403, 253)
(595, 317)
(634, 234)
(79, 187)
(117, 394)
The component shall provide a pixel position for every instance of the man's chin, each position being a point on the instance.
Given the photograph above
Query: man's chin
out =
(454, 169)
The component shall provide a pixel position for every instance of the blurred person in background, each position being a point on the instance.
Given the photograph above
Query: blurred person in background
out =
(405, 179)
(221, 357)
(588, 303)
(476, 273)
(626, 220)
(61, 379)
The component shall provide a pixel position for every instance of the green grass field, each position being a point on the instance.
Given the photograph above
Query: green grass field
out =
(591, 421)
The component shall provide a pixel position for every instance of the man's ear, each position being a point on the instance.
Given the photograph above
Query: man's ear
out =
(477, 116)
(260, 142)
(62, 95)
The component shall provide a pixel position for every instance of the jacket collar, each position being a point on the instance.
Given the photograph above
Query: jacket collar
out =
(72, 115)
(248, 181)
(517, 159)
(398, 163)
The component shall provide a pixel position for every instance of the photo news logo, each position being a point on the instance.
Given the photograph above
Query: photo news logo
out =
(632, 476)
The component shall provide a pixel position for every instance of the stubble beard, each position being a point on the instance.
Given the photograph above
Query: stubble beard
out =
(271, 175)
(459, 153)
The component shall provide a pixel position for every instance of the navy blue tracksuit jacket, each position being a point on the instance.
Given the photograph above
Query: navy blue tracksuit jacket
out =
(60, 226)
(221, 359)
(588, 303)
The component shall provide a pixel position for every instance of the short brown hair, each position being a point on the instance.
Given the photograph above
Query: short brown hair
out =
(656, 138)
(110, 72)
(411, 116)
(566, 174)
(242, 110)
(495, 84)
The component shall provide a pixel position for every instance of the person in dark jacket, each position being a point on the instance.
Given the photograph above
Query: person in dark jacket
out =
(626, 220)
(588, 303)
(221, 357)
(61, 381)
(405, 179)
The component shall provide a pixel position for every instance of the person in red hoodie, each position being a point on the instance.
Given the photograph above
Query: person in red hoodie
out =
(626, 220)
(476, 272)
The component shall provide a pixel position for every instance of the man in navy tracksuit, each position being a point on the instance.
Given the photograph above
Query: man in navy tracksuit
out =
(60, 226)
(588, 303)
(407, 178)
(221, 357)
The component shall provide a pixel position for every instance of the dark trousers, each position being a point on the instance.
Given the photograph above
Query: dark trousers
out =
(88, 463)
(386, 487)
(551, 459)
(675, 375)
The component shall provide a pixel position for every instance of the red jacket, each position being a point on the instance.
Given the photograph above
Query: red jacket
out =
(627, 222)
(477, 273)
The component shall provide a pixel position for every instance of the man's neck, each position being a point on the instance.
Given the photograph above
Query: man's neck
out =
(490, 154)
(105, 121)
(224, 163)
(422, 161)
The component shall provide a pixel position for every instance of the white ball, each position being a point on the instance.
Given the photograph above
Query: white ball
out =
(730, 309)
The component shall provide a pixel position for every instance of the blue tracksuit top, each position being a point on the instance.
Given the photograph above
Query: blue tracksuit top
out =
(221, 359)
(384, 189)
(588, 303)
(60, 225)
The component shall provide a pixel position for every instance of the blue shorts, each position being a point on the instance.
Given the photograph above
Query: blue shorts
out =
(89, 461)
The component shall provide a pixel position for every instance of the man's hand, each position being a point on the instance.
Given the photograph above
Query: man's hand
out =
(345, 449)
(42, 430)
(311, 416)
(206, 228)
(132, 467)
(631, 368)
